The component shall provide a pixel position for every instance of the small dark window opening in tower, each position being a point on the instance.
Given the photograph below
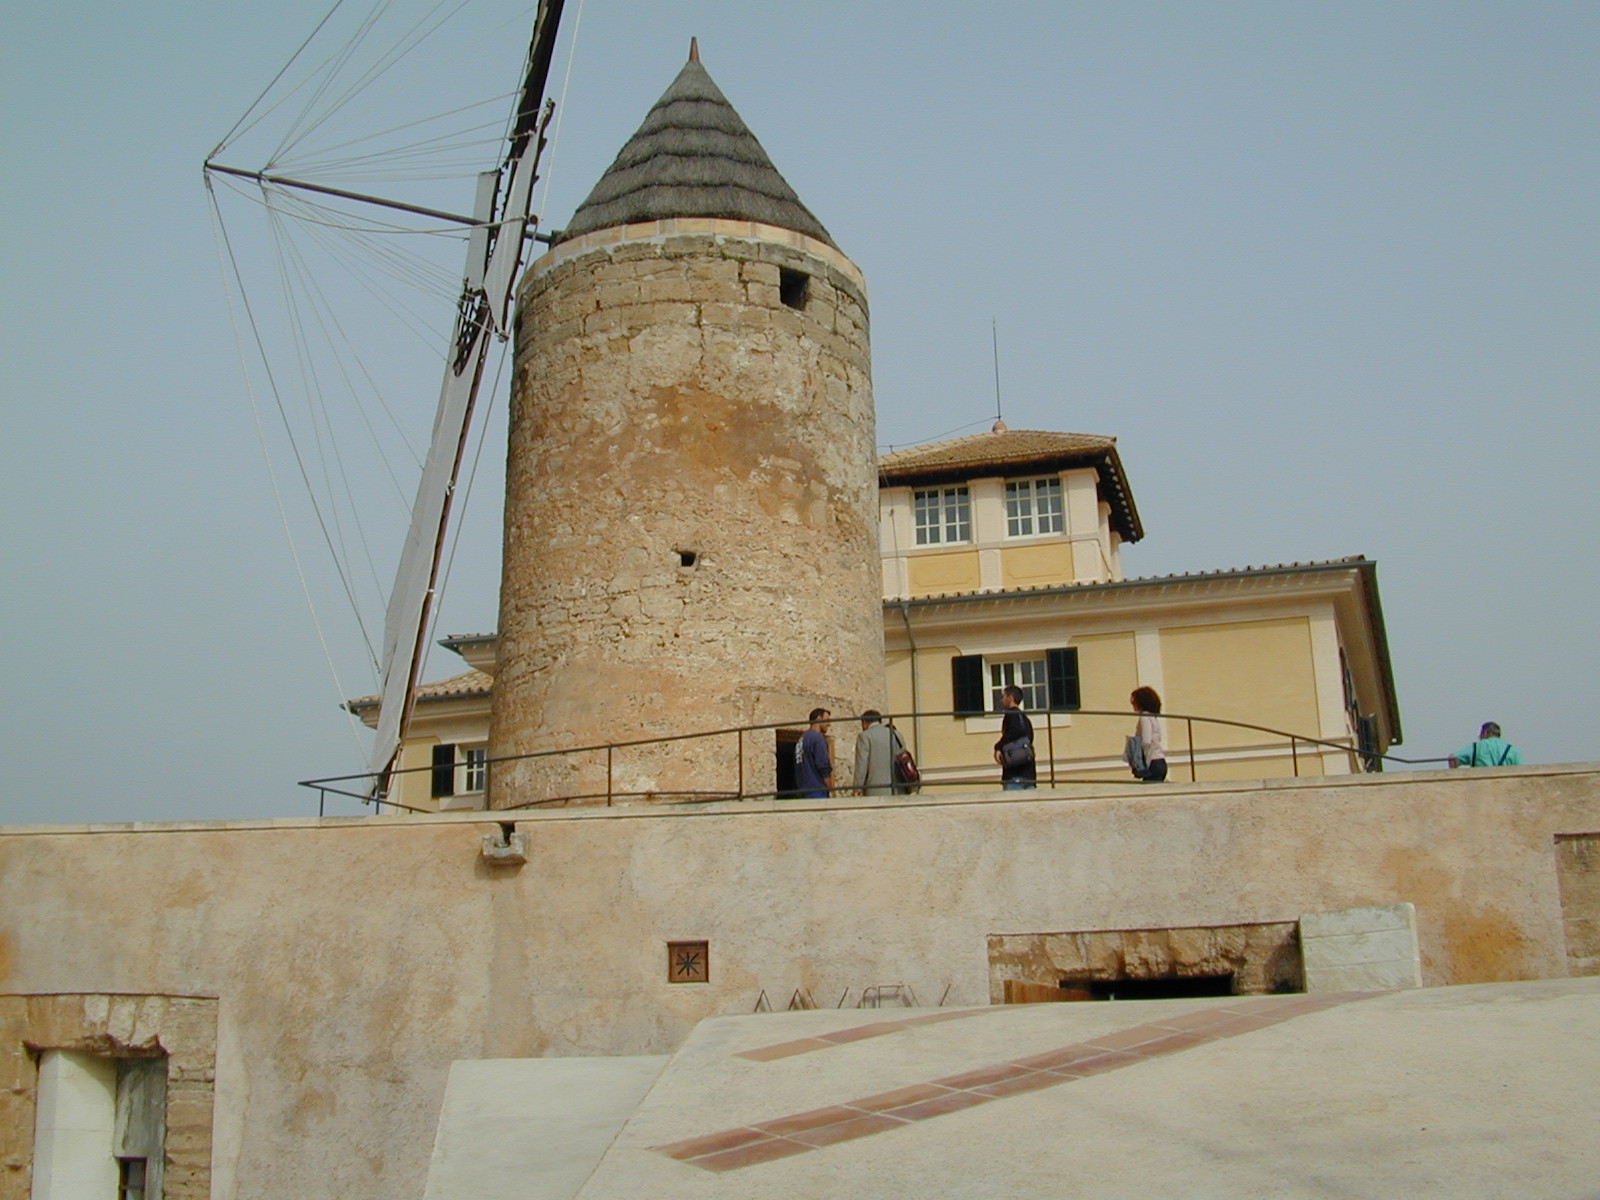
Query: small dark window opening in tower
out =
(793, 287)
(688, 558)
(1175, 987)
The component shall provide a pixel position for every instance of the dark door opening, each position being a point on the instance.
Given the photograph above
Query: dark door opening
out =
(787, 740)
(1176, 987)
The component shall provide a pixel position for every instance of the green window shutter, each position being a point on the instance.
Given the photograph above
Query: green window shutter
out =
(966, 684)
(444, 770)
(1061, 670)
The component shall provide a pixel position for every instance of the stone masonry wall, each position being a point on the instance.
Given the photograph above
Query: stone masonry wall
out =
(668, 404)
(112, 1026)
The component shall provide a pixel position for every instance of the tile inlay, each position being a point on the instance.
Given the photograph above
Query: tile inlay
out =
(840, 1037)
(780, 1137)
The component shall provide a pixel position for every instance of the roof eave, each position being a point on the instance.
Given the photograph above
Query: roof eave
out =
(1106, 460)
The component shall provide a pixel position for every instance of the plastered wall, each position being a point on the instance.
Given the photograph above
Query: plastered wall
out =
(354, 959)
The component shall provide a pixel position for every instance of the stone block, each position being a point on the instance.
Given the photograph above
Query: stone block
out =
(1194, 951)
(48, 1023)
(635, 251)
(1358, 920)
(1361, 949)
(763, 295)
(1146, 953)
(1361, 977)
(605, 272)
(759, 272)
(608, 295)
(150, 1020)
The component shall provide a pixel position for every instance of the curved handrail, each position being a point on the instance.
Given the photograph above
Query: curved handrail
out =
(325, 785)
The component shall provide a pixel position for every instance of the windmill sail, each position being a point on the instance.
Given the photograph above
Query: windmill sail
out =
(484, 311)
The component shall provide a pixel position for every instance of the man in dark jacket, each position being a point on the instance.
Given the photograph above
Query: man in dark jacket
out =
(1014, 750)
(813, 766)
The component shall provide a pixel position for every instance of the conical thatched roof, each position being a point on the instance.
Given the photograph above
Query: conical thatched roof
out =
(693, 157)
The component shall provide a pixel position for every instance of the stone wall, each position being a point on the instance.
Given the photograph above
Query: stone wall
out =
(691, 510)
(184, 1028)
(1578, 861)
(1262, 959)
(355, 958)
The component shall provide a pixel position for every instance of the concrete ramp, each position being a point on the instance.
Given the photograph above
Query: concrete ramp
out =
(531, 1128)
(1469, 1093)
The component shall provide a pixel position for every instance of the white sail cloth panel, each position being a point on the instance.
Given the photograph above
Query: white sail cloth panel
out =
(490, 276)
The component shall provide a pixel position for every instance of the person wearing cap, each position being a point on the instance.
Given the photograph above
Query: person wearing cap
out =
(1490, 750)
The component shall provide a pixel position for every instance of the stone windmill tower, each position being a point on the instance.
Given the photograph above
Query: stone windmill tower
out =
(691, 503)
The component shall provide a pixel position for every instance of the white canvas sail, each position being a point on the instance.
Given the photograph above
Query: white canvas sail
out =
(490, 278)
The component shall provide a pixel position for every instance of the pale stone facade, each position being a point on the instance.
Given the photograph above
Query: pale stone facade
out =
(690, 510)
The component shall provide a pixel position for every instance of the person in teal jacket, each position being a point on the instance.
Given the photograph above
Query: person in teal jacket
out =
(1490, 750)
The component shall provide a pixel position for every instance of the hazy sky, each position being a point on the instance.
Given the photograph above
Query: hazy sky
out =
(1327, 270)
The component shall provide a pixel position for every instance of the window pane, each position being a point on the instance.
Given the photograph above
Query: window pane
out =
(1029, 674)
(1000, 678)
(475, 768)
(1047, 504)
(942, 515)
(1019, 509)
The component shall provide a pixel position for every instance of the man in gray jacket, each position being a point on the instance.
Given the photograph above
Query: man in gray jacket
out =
(876, 747)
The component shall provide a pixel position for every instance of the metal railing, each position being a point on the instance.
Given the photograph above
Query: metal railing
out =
(1051, 770)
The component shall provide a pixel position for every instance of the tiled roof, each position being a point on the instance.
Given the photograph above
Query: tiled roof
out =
(1354, 560)
(1012, 452)
(454, 640)
(1366, 569)
(457, 687)
(993, 449)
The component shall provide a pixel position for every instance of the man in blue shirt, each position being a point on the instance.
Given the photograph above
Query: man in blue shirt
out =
(1490, 750)
(813, 768)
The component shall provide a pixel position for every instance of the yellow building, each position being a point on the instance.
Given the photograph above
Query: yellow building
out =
(1002, 565)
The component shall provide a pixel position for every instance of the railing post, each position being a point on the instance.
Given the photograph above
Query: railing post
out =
(1189, 723)
(1294, 754)
(608, 774)
(1050, 742)
(741, 762)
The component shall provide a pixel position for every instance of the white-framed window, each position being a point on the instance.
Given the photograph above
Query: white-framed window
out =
(474, 768)
(942, 515)
(1033, 506)
(1029, 674)
(459, 770)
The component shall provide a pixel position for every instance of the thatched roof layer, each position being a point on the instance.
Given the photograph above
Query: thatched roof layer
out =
(693, 157)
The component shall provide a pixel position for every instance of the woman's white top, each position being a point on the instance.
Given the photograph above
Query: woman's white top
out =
(1153, 733)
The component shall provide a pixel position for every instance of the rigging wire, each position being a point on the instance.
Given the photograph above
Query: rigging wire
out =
(266, 187)
(365, 247)
(561, 104)
(322, 77)
(228, 137)
(490, 36)
(301, 166)
(329, 324)
(321, 425)
(225, 259)
(408, 42)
